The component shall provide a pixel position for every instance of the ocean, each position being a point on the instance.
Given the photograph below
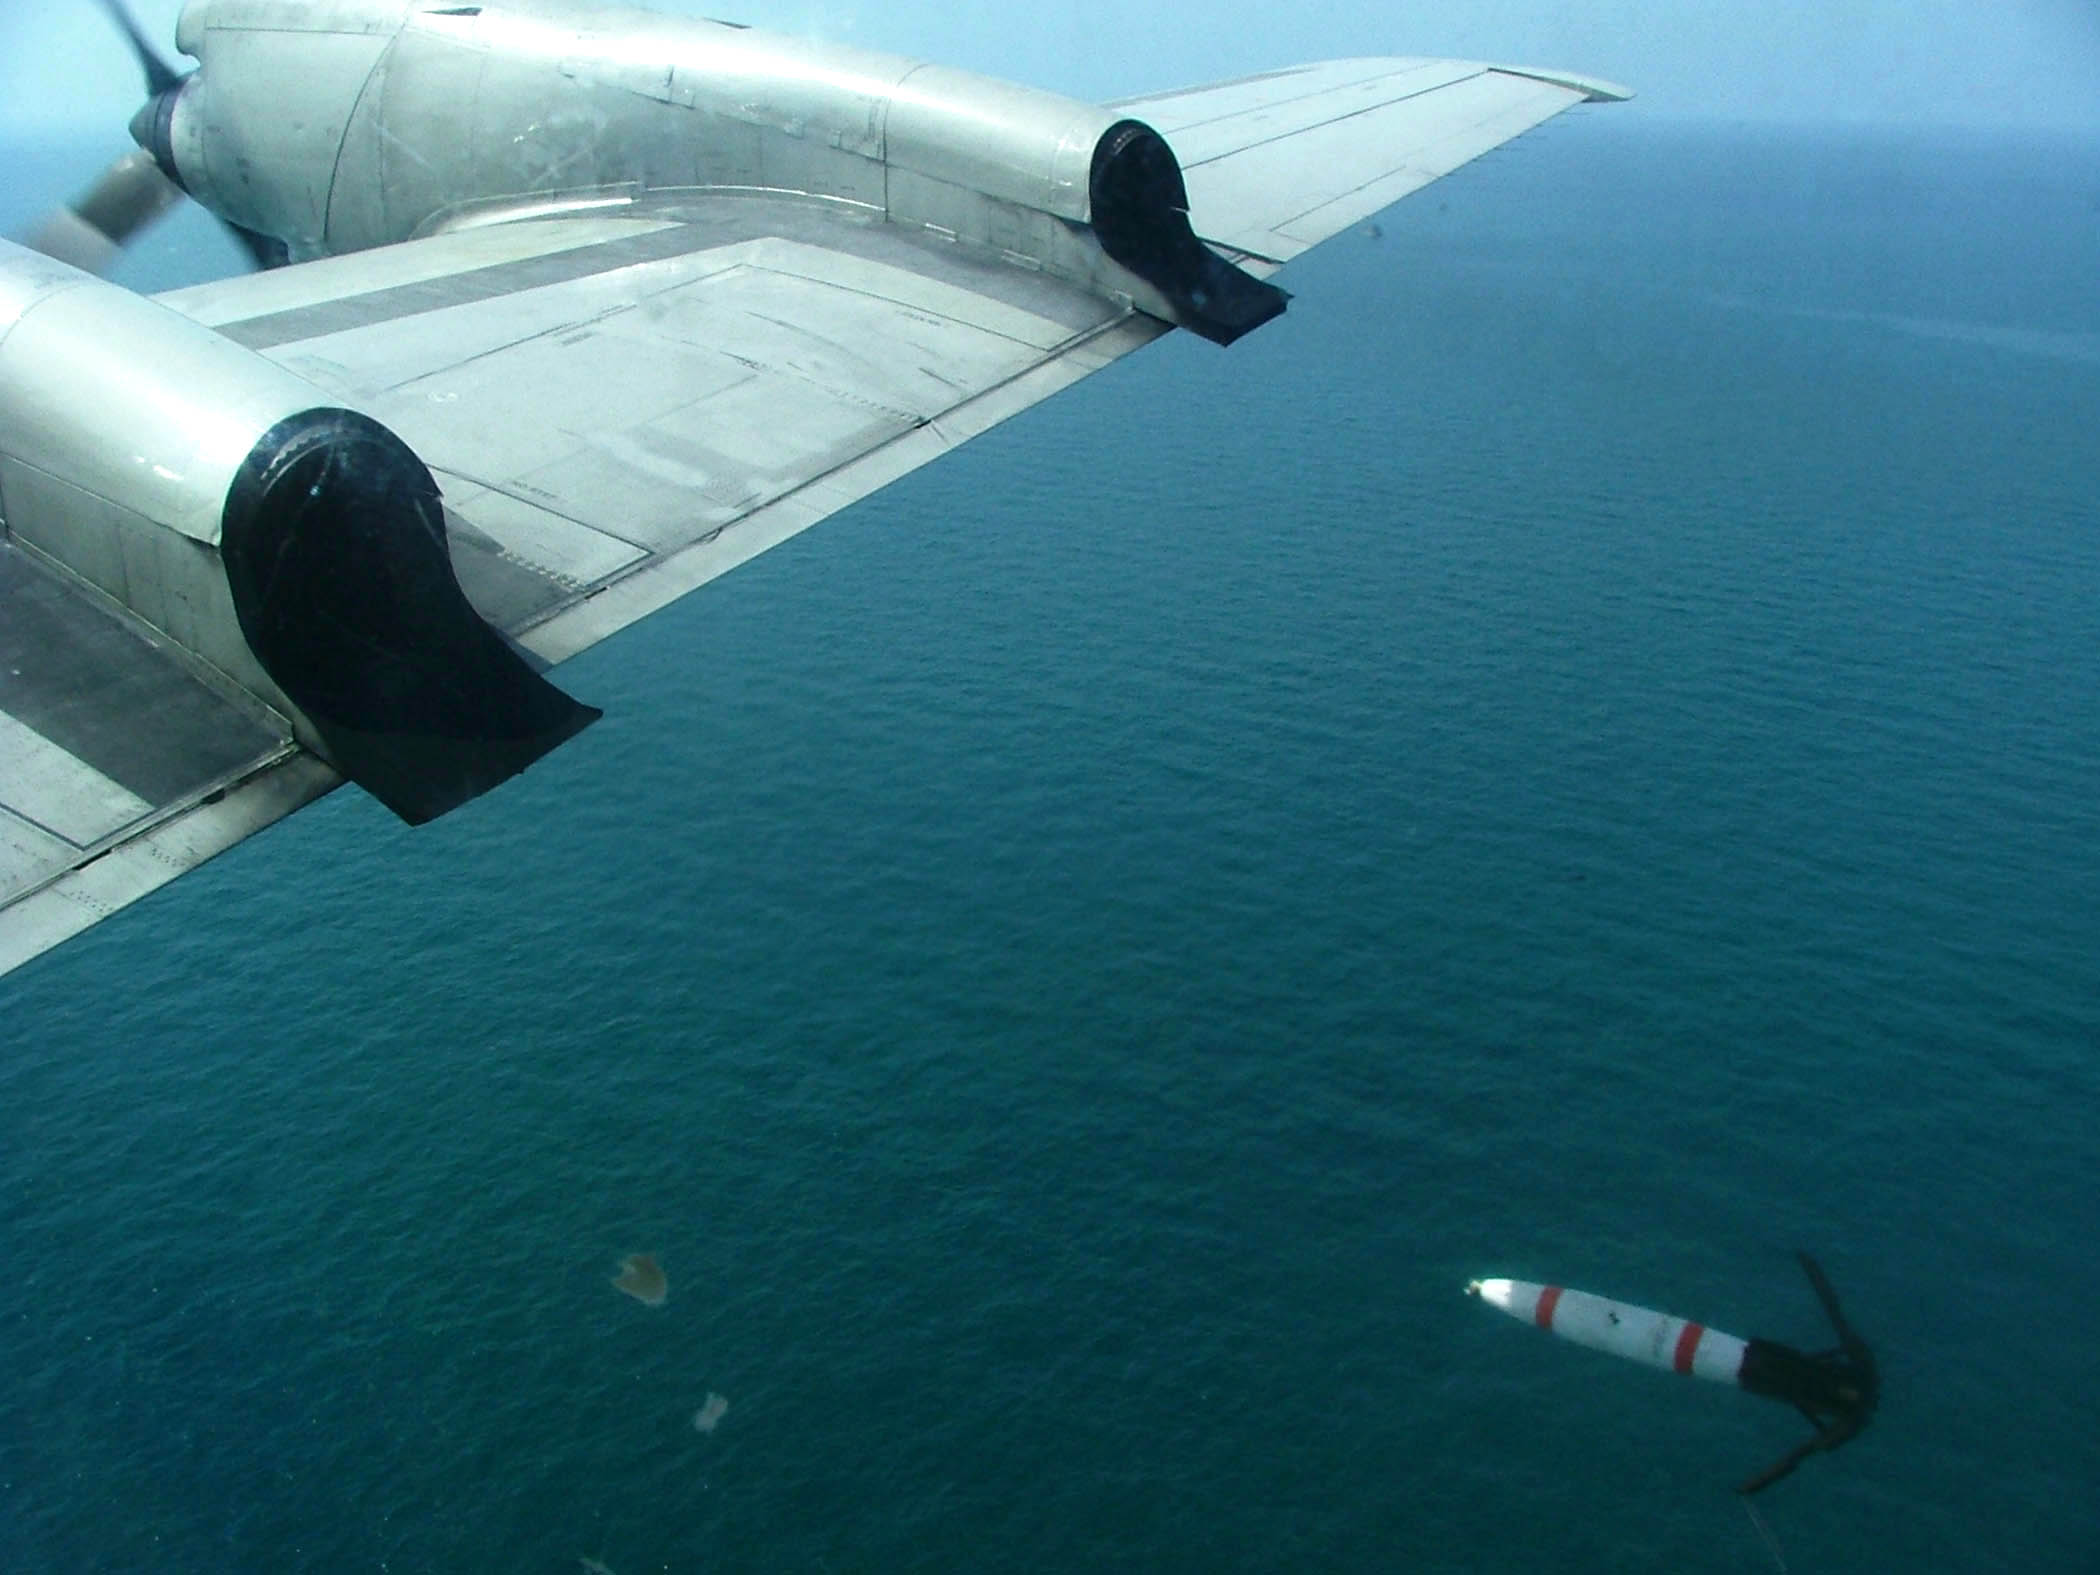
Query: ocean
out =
(1574, 754)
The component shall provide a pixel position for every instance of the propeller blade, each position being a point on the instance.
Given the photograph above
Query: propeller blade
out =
(93, 229)
(149, 130)
(160, 76)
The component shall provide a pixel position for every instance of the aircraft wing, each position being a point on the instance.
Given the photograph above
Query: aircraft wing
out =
(624, 399)
(1277, 163)
(617, 409)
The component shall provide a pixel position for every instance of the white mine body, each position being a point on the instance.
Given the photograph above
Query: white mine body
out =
(1640, 1334)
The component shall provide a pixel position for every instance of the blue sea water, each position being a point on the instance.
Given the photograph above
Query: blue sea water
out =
(1575, 754)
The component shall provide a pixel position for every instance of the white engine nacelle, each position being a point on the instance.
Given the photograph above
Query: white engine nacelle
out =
(343, 124)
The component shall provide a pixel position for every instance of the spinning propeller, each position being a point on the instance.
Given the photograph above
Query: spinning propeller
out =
(92, 231)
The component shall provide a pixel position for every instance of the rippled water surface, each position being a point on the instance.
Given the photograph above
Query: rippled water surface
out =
(1574, 754)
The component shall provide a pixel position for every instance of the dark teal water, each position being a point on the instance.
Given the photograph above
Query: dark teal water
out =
(1575, 754)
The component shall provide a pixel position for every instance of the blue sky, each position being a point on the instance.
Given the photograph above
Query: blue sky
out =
(63, 69)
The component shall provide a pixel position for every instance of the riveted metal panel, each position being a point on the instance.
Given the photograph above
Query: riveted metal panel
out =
(266, 159)
(412, 147)
(1016, 143)
(826, 94)
(287, 16)
(135, 402)
(555, 100)
(169, 581)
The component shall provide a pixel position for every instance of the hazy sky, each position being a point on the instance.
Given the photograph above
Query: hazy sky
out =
(1977, 62)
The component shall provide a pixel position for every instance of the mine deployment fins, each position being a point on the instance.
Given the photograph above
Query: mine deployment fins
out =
(1835, 1389)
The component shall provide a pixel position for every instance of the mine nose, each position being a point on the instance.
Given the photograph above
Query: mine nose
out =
(1496, 1293)
(151, 127)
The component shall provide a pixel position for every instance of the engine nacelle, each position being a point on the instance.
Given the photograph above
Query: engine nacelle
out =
(296, 548)
(255, 134)
(343, 124)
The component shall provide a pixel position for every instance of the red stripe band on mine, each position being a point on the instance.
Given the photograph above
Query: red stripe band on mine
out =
(1549, 1298)
(1687, 1346)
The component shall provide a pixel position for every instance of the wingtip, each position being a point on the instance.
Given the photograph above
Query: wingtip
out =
(1594, 90)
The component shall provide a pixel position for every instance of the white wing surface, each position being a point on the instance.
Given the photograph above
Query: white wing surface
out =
(1279, 162)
